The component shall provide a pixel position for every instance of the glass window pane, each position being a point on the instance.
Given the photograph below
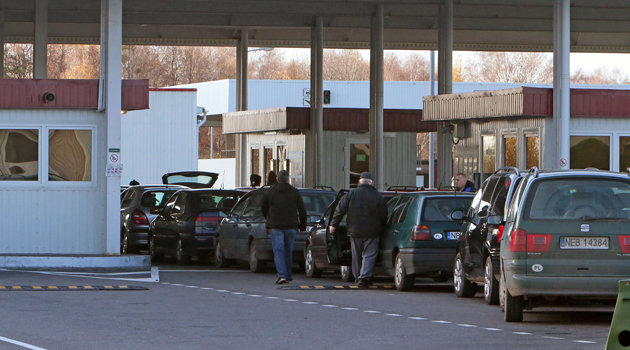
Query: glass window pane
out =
(440, 209)
(268, 163)
(70, 155)
(489, 146)
(359, 161)
(255, 161)
(509, 144)
(19, 154)
(533, 151)
(624, 153)
(590, 152)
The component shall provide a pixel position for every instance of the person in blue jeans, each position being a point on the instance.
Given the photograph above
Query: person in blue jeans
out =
(285, 214)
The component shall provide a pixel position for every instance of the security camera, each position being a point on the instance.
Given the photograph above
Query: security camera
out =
(455, 140)
(49, 97)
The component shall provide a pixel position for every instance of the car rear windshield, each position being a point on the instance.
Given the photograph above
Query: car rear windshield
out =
(316, 203)
(210, 201)
(440, 209)
(156, 199)
(578, 199)
(200, 179)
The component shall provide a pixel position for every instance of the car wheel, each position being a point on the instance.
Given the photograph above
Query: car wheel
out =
(491, 285)
(255, 264)
(463, 287)
(181, 255)
(124, 243)
(513, 308)
(403, 281)
(219, 258)
(310, 269)
(346, 274)
(155, 256)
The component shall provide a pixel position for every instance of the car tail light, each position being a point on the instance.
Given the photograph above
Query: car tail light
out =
(200, 220)
(538, 243)
(421, 233)
(625, 243)
(500, 233)
(518, 240)
(139, 218)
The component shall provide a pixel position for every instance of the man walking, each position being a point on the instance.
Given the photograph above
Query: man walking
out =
(280, 206)
(366, 220)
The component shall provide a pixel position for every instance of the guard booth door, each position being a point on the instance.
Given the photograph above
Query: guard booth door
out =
(357, 161)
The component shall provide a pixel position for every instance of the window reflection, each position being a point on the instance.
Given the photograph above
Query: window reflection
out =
(510, 151)
(533, 152)
(489, 146)
(19, 154)
(590, 152)
(69, 155)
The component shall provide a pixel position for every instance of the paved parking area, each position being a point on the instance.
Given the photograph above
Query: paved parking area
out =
(201, 307)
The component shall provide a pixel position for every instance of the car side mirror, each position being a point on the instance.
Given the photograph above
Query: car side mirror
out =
(483, 213)
(495, 220)
(457, 215)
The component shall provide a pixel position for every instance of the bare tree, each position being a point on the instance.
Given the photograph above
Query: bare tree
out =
(509, 67)
(266, 65)
(345, 65)
(18, 61)
(600, 76)
(298, 69)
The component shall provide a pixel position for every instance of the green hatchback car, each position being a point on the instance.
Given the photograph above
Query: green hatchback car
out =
(419, 240)
(566, 237)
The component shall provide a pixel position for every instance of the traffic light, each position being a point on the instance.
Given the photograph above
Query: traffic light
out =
(326, 97)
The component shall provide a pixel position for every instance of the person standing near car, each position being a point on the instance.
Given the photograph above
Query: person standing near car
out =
(463, 184)
(272, 178)
(366, 220)
(284, 212)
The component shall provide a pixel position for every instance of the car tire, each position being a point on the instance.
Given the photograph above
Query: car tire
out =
(181, 255)
(155, 256)
(310, 268)
(219, 257)
(346, 274)
(462, 286)
(403, 281)
(491, 285)
(255, 265)
(513, 308)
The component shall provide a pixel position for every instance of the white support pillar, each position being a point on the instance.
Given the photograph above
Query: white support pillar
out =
(1, 44)
(432, 135)
(376, 99)
(41, 39)
(315, 176)
(562, 82)
(112, 17)
(241, 105)
(445, 86)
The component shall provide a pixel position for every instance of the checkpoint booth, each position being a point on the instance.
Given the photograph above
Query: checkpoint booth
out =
(280, 138)
(515, 127)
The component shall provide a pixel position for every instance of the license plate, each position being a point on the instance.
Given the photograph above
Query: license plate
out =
(453, 235)
(584, 243)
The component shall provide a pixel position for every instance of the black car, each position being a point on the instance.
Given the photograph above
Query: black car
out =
(188, 223)
(243, 234)
(478, 249)
(135, 214)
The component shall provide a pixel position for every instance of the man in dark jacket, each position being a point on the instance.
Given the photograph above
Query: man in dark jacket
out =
(280, 206)
(366, 220)
(463, 184)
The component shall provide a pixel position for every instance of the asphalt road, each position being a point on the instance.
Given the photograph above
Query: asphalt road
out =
(201, 307)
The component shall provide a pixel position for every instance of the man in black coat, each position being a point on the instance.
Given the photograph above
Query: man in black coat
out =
(280, 206)
(366, 220)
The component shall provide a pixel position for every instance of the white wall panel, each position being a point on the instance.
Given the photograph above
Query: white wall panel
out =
(161, 139)
(60, 217)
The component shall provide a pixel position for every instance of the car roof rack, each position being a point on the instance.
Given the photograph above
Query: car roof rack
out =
(508, 169)
(324, 188)
(534, 170)
(405, 188)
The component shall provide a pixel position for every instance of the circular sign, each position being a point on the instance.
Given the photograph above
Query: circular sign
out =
(563, 162)
(537, 268)
(438, 236)
(113, 158)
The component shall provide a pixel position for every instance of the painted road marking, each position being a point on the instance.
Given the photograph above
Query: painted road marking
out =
(336, 287)
(493, 329)
(417, 318)
(19, 343)
(522, 333)
(584, 342)
(350, 308)
(393, 315)
(467, 325)
(67, 288)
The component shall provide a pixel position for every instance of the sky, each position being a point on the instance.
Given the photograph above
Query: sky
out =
(589, 61)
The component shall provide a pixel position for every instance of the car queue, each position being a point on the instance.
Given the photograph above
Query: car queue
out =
(531, 238)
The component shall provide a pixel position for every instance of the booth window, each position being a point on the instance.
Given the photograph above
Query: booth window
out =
(255, 161)
(590, 152)
(509, 150)
(489, 151)
(532, 151)
(19, 154)
(624, 153)
(69, 155)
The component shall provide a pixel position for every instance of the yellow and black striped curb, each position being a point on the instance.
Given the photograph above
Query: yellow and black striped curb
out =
(298, 287)
(67, 288)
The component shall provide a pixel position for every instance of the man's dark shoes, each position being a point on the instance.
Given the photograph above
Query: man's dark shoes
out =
(281, 280)
(362, 283)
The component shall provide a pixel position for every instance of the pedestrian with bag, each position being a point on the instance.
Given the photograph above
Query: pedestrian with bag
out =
(285, 214)
(366, 212)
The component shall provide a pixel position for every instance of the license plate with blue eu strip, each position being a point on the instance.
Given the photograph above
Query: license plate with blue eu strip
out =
(453, 235)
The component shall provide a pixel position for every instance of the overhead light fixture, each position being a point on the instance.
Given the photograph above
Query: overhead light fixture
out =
(122, 111)
(270, 132)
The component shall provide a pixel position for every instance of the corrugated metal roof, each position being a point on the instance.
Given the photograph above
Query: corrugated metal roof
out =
(68, 94)
(533, 102)
(335, 119)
